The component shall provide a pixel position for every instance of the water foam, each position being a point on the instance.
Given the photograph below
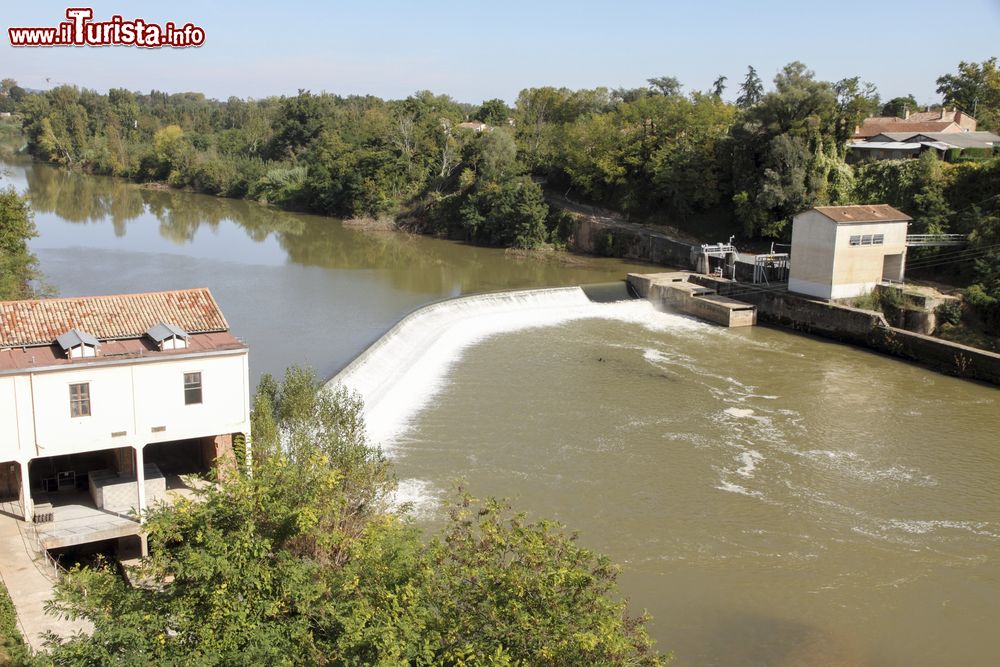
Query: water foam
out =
(399, 375)
(749, 459)
(419, 495)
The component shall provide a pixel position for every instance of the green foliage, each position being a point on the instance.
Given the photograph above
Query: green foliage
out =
(889, 301)
(898, 106)
(651, 153)
(921, 187)
(751, 90)
(306, 562)
(497, 575)
(950, 311)
(18, 266)
(13, 650)
(975, 89)
(665, 85)
(494, 112)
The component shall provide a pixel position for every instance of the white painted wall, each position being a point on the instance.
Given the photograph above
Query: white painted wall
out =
(813, 239)
(826, 266)
(132, 398)
(9, 439)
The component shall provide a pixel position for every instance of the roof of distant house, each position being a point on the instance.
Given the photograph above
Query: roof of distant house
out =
(956, 139)
(939, 114)
(115, 317)
(863, 213)
(873, 126)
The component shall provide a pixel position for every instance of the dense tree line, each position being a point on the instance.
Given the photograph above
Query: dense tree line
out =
(307, 562)
(653, 153)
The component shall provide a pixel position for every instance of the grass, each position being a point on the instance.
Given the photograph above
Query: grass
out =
(13, 649)
(968, 333)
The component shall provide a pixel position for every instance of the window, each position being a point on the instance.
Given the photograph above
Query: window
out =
(878, 239)
(192, 388)
(866, 239)
(79, 400)
(855, 240)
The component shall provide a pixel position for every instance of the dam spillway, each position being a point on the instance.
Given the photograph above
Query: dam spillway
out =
(400, 373)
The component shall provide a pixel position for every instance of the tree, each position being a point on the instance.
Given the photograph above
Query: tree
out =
(975, 89)
(18, 266)
(898, 106)
(719, 85)
(496, 575)
(855, 102)
(785, 151)
(306, 562)
(751, 89)
(665, 85)
(494, 112)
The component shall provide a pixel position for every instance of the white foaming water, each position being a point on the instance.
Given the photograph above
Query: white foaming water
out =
(728, 486)
(403, 370)
(749, 460)
(419, 494)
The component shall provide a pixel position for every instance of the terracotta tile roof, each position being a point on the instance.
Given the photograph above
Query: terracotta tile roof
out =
(863, 213)
(116, 317)
(873, 126)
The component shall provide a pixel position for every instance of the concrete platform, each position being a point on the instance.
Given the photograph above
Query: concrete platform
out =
(674, 291)
(76, 520)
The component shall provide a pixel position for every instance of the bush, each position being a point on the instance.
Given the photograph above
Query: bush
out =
(950, 311)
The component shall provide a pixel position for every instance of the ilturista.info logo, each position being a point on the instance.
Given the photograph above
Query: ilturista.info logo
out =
(81, 30)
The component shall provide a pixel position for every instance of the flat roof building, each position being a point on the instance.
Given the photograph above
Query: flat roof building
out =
(839, 252)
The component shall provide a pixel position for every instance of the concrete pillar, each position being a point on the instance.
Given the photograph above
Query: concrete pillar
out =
(26, 504)
(140, 478)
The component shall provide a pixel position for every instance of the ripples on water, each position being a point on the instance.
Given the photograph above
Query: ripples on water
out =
(813, 474)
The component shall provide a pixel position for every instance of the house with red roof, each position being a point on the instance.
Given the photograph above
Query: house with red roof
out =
(110, 404)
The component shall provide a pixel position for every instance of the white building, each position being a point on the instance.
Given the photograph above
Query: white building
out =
(106, 401)
(839, 252)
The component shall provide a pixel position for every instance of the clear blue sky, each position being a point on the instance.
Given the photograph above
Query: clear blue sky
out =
(477, 51)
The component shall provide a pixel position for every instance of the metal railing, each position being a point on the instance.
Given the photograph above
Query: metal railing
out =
(935, 240)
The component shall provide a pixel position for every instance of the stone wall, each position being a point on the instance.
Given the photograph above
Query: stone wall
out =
(629, 241)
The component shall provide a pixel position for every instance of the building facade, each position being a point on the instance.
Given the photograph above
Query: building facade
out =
(107, 402)
(840, 252)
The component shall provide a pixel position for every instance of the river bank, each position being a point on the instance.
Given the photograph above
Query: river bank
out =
(768, 494)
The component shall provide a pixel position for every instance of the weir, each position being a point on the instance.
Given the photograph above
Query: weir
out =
(398, 374)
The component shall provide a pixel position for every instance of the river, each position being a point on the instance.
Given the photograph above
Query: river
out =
(774, 499)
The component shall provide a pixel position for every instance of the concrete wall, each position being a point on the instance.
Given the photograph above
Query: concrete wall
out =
(825, 265)
(813, 239)
(863, 328)
(674, 291)
(857, 269)
(129, 404)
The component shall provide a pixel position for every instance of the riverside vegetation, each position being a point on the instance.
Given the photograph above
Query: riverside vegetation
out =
(694, 160)
(308, 562)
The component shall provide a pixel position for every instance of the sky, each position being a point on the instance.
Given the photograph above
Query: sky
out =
(478, 51)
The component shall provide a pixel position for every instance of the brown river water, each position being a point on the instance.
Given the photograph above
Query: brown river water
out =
(773, 499)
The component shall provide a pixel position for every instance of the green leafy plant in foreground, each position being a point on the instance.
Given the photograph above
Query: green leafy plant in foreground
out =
(308, 562)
